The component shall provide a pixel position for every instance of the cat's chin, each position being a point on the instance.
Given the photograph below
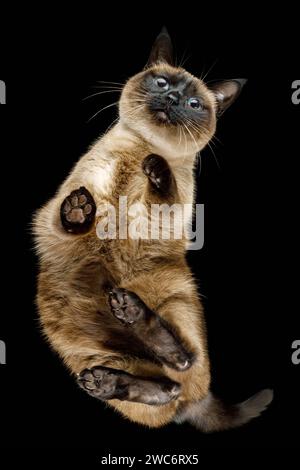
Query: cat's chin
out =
(163, 117)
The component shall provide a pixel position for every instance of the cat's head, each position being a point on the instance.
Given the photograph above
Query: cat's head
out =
(173, 110)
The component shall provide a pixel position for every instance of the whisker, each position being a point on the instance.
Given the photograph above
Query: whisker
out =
(128, 113)
(103, 109)
(196, 146)
(214, 155)
(199, 160)
(99, 93)
(110, 83)
(210, 147)
(199, 130)
(179, 128)
(184, 58)
(185, 141)
(209, 70)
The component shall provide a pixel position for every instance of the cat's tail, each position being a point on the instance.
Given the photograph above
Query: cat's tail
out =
(211, 414)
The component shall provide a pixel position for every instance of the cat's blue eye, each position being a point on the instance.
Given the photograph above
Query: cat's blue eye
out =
(194, 103)
(161, 82)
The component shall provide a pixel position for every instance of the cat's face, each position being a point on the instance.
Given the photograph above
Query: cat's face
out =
(170, 104)
(169, 107)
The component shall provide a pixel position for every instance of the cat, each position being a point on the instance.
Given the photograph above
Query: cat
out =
(124, 314)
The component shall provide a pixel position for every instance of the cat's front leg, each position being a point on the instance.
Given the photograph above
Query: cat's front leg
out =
(106, 384)
(77, 212)
(159, 174)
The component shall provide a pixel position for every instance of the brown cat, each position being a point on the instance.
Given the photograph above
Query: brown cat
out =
(124, 313)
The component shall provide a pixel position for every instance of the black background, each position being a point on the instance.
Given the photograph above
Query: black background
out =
(247, 268)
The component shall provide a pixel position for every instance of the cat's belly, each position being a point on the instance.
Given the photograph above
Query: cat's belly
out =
(127, 260)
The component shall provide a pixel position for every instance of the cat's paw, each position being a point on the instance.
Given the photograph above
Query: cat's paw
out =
(78, 211)
(157, 170)
(99, 382)
(175, 356)
(107, 384)
(126, 306)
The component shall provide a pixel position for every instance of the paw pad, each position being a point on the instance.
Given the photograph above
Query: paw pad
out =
(78, 211)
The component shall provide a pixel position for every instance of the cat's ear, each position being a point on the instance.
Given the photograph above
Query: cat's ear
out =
(162, 50)
(226, 92)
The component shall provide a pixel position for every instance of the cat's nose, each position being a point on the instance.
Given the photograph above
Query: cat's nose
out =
(173, 97)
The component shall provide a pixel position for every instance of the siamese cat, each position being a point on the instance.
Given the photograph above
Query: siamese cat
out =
(124, 313)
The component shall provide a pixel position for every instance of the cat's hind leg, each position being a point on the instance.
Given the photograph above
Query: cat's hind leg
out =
(77, 211)
(155, 333)
(105, 384)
